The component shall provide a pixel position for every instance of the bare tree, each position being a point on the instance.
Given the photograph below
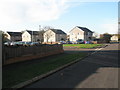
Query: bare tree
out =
(42, 31)
(48, 35)
(45, 28)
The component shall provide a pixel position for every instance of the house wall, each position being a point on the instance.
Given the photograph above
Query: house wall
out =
(14, 38)
(114, 38)
(8, 36)
(49, 36)
(76, 34)
(36, 38)
(26, 36)
(59, 37)
(87, 36)
(96, 35)
(41, 37)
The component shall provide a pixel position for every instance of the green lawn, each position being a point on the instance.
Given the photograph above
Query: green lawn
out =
(82, 45)
(13, 75)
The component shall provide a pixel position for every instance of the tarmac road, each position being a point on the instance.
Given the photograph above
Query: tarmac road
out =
(100, 70)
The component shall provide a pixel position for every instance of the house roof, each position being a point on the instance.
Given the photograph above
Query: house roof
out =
(58, 31)
(14, 33)
(84, 29)
(33, 32)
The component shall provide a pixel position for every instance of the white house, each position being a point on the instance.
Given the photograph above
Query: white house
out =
(54, 35)
(30, 36)
(96, 35)
(80, 33)
(114, 38)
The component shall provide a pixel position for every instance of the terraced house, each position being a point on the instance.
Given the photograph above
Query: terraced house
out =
(80, 33)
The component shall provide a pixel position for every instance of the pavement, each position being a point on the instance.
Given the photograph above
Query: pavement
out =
(99, 70)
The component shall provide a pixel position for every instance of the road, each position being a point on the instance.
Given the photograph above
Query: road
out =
(100, 70)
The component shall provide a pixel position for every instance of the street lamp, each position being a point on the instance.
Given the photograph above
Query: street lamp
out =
(32, 36)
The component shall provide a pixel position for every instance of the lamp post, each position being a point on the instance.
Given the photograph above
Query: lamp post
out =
(32, 36)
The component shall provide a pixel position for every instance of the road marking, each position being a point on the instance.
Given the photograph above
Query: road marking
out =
(96, 50)
(97, 62)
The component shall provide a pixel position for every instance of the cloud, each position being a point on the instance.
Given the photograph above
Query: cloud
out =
(19, 11)
(9, 12)
(110, 27)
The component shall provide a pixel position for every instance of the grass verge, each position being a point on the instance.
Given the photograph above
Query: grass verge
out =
(82, 45)
(23, 72)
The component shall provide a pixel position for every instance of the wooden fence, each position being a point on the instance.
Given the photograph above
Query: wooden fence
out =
(12, 54)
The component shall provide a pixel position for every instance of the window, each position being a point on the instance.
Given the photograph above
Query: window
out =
(88, 33)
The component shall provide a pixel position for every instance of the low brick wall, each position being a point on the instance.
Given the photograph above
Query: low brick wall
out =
(15, 54)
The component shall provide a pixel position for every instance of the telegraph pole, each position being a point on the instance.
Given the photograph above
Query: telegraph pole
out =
(40, 34)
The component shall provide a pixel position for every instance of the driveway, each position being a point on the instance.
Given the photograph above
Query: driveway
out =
(100, 70)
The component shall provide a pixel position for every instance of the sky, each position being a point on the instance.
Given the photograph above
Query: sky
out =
(99, 16)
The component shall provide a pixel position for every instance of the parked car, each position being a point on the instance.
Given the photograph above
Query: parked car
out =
(19, 43)
(73, 42)
(68, 42)
(62, 42)
(88, 42)
(32, 43)
(7, 43)
(10, 43)
(79, 41)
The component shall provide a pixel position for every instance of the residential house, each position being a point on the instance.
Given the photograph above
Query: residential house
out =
(95, 35)
(80, 33)
(14, 36)
(114, 37)
(54, 35)
(32, 36)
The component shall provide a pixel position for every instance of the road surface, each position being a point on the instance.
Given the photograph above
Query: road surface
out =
(100, 70)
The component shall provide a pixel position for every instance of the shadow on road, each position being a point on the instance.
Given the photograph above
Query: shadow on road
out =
(100, 70)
